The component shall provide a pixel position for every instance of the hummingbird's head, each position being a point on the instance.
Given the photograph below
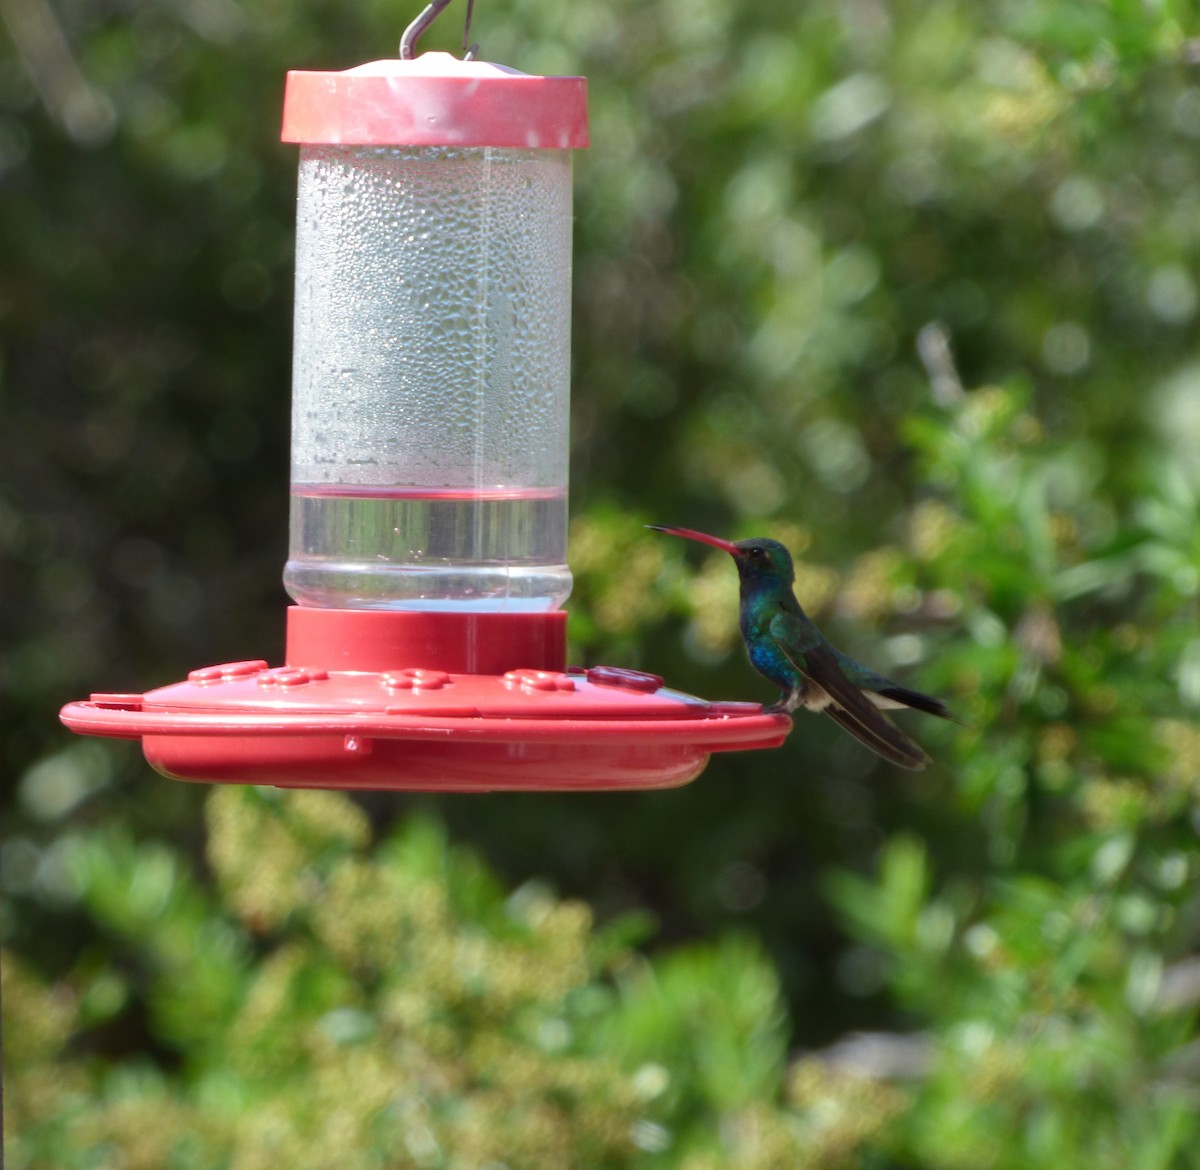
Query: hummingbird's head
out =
(759, 560)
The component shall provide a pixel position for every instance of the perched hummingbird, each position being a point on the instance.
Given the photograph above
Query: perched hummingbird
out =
(785, 646)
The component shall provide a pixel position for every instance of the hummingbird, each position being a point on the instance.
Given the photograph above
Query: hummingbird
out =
(786, 647)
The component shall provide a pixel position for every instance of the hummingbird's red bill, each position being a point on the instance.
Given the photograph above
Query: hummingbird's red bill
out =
(702, 537)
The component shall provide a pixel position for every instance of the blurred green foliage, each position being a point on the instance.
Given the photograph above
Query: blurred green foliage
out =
(909, 286)
(388, 1008)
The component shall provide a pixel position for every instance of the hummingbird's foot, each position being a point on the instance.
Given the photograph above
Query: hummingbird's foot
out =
(788, 702)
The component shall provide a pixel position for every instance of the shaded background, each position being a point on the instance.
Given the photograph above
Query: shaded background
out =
(910, 286)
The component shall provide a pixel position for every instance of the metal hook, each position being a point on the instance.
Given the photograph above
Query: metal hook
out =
(408, 42)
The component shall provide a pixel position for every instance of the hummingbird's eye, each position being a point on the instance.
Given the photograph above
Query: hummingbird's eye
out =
(756, 553)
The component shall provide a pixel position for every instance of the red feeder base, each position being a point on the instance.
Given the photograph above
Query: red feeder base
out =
(415, 701)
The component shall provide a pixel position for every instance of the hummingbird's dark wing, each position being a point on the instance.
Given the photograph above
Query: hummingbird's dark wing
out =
(847, 705)
(880, 734)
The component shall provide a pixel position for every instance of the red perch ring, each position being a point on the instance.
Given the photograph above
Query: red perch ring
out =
(413, 701)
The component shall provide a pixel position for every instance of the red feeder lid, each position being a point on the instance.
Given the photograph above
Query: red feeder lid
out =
(435, 100)
(419, 701)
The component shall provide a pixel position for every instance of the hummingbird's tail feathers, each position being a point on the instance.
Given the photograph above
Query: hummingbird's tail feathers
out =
(899, 696)
(882, 737)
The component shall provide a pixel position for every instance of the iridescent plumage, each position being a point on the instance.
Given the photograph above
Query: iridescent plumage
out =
(786, 647)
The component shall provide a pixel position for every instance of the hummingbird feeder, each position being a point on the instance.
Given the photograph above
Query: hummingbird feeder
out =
(426, 649)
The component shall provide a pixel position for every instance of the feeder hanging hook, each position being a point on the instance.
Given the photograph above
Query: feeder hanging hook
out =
(408, 42)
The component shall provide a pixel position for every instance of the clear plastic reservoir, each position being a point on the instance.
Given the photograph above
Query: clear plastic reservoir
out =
(431, 378)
